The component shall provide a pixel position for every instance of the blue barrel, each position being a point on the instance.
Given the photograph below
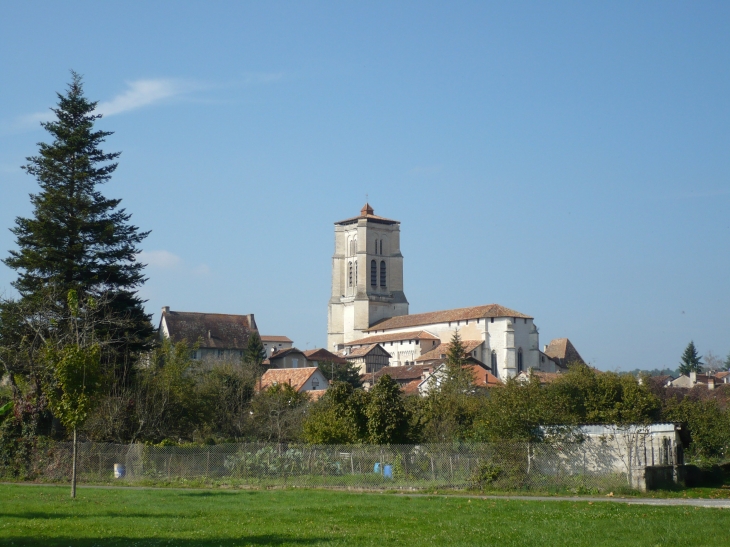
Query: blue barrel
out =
(376, 469)
(388, 471)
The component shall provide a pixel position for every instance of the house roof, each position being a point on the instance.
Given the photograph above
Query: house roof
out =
(367, 213)
(411, 388)
(443, 349)
(363, 351)
(296, 377)
(284, 352)
(564, 350)
(544, 377)
(410, 372)
(321, 354)
(446, 316)
(484, 378)
(393, 337)
(270, 338)
(210, 330)
(721, 375)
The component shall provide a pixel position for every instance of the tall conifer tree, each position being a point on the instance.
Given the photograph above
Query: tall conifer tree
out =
(77, 239)
(690, 360)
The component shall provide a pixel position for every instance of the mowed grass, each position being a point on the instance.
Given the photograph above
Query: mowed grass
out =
(46, 516)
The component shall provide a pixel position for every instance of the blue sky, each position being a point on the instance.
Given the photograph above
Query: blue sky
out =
(565, 159)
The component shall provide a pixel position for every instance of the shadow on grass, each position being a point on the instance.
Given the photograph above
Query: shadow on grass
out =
(264, 539)
(61, 516)
(209, 494)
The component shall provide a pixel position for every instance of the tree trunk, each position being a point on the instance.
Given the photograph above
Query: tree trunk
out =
(73, 467)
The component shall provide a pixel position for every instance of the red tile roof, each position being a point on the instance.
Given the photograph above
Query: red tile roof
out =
(446, 316)
(394, 337)
(443, 349)
(411, 388)
(409, 372)
(321, 354)
(562, 349)
(484, 378)
(268, 338)
(368, 214)
(296, 377)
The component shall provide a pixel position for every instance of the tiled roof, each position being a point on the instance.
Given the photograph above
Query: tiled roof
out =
(296, 377)
(269, 338)
(368, 214)
(322, 354)
(410, 372)
(544, 377)
(411, 388)
(562, 349)
(394, 337)
(316, 394)
(484, 378)
(362, 351)
(446, 316)
(284, 352)
(210, 330)
(443, 349)
(721, 375)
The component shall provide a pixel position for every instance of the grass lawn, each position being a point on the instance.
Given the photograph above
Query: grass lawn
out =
(45, 516)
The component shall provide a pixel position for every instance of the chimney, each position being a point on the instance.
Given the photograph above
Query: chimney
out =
(165, 309)
(693, 377)
(710, 382)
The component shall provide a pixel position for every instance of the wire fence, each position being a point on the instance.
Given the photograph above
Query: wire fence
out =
(592, 466)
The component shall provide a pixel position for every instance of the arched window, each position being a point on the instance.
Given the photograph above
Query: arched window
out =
(494, 362)
(373, 273)
(349, 279)
(383, 275)
(519, 360)
(381, 246)
(376, 247)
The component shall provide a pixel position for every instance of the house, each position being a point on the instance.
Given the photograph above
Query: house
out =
(296, 358)
(407, 377)
(368, 306)
(722, 377)
(218, 336)
(275, 343)
(403, 347)
(481, 377)
(694, 379)
(543, 377)
(309, 379)
(318, 356)
(369, 358)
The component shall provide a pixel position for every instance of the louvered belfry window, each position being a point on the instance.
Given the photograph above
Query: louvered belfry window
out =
(373, 273)
(383, 275)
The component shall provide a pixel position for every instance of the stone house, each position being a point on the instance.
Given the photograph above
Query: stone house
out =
(218, 336)
(275, 343)
(369, 358)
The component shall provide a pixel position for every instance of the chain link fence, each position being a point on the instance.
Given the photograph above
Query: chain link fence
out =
(592, 466)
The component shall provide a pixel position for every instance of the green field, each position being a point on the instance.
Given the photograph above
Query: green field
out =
(45, 516)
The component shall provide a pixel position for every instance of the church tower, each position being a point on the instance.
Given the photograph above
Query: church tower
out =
(367, 276)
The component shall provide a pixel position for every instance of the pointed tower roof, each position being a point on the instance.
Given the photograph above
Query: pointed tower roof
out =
(367, 213)
(563, 350)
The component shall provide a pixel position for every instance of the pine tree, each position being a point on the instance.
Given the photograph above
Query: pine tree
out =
(255, 353)
(77, 239)
(458, 378)
(690, 360)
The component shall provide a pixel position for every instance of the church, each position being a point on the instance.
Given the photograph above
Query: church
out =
(368, 312)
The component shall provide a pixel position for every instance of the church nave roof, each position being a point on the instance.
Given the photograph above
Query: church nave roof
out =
(446, 316)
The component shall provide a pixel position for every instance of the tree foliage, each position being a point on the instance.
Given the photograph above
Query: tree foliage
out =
(77, 239)
(341, 372)
(690, 361)
(387, 421)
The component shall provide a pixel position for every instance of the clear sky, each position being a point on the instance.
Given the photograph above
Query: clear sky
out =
(569, 160)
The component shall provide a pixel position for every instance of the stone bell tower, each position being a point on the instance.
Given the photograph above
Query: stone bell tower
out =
(367, 276)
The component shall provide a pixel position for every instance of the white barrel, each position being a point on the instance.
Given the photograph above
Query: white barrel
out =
(119, 471)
